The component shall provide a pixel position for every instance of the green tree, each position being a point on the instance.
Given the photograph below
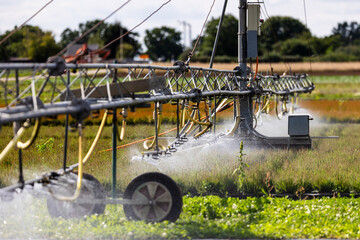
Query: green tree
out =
(67, 36)
(326, 44)
(29, 41)
(293, 47)
(125, 50)
(348, 32)
(227, 44)
(163, 42)
(113, 31)
(277, 29)
(41, 48)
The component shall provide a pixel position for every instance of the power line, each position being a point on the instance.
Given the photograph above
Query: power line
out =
(307, 35)
(287, 66)
(305, 13)
(17, 29)
(118, 38)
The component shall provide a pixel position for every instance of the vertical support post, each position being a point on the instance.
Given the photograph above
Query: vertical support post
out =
(214, 121)
(246, 110)
(66, 122)
(16, 129)
(177, 113)
(156, 126)
(114, 143)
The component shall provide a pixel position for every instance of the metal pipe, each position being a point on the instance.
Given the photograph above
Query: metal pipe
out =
(27, 65)
(114, 143)
(242, 36)
(100, 65)
(156, 126)
(16, 129)
(66, 124)
(114, 138)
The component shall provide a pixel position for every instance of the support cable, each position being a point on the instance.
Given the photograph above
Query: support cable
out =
(275, 36)
(91, 29)
(307, 35)
(198, 39)
(18, 28)
(217, 35)
(118, 38)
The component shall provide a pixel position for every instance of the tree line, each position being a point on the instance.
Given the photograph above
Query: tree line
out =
(282, 39)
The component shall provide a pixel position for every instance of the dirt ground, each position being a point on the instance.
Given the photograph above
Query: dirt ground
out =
(314, 68)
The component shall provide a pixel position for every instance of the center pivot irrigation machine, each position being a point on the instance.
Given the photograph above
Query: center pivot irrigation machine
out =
(58, 88)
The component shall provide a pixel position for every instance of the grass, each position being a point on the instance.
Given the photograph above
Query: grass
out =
(330, 167)
(202, 217)
(334, 88)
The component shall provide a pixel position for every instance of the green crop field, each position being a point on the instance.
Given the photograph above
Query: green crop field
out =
(335, 88)
(202, 217)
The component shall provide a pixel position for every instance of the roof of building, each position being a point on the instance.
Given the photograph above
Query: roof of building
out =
(71, 51)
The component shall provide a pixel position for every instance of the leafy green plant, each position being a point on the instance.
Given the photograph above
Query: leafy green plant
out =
(202, 217)
(47, 145)
(240, 170)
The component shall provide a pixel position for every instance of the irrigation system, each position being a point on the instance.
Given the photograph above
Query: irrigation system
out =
(33, 91)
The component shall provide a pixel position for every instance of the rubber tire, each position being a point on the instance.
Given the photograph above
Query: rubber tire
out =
(56, 207)
(166, 182)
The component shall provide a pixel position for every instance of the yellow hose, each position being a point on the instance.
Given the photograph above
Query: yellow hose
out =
(24, 145)
(284, 106)
(16, 139)
(83, 161)
(204, 130)
(80, 174)
(146, 144)
(121, 134)
(12, 143)
(199, 122)
(266, 106)
(292, 105)
(97, 137)
(237, 119)
(220, 106)
(193, 120)
(183, 115)
(193, 113)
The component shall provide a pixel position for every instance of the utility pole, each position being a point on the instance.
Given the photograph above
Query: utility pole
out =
(190, 35)
(184, 31)
(121, 44)
(186, 24)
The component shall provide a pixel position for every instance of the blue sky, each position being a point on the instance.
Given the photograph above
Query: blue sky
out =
(322, 15)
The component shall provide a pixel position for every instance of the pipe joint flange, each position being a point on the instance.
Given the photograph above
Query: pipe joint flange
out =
(182, 65)
(84, 111)
(60, 66)
(198, 95)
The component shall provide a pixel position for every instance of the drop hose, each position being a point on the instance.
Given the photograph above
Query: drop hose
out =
(82, 161)
(16, 139)
(146, 144)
